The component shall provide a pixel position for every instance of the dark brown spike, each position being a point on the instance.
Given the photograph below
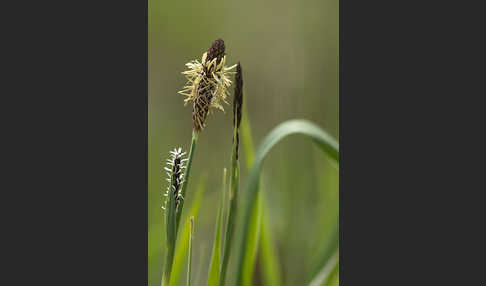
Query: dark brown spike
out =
(216, 50)
(237, 106)
(238, 99)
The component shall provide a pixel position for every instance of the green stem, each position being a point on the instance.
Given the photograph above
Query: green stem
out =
(171, 237)
(173, 218)
(195, 136)
(234, 186)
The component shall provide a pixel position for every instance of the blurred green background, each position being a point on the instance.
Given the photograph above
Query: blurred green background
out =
(289, 55)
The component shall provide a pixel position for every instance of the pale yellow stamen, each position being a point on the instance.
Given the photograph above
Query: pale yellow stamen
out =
(219, 82)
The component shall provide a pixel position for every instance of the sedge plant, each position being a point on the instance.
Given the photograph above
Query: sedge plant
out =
(172, 206)
(206, 88)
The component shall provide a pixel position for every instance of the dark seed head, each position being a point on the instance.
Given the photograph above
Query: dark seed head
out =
(176, 180)
(175, 171)
(237, 107)
(238, 100)
(216, 50)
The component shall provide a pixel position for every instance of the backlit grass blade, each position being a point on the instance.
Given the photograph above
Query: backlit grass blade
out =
(324, 276)
(328, 183)
(329, 250)
(252, 243)
(248, 198)
(259, 235)
(271, 269)
(215, 265)
(182, 243)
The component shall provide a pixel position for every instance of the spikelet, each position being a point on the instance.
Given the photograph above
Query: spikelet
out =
(208, 82)
(237, 107)
(175, 172)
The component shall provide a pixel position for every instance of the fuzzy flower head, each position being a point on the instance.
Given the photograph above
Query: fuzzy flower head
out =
(175, 172)
(208, 82)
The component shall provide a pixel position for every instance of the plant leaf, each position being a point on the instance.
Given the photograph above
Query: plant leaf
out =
(215, 264)
(271, 271)
(189, 254)
(323, 278)
(327, 144)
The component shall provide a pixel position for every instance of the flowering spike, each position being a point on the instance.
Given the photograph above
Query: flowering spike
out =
(237, 107)
(175, 176)
(238, 100)
(207, 83)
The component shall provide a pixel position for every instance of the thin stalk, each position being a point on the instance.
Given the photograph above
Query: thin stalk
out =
(234, 186)
(171, 237)
(189, 255)
(195, 136)
(235, 172)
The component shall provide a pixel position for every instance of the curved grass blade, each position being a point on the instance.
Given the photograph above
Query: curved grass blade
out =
(182, 243)
(328, 251)
(328, 144)
(329, 184)
(215, 265)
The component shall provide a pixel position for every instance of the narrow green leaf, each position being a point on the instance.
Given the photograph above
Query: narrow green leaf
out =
(233, 209)
(324, 276)
(215, 264)
(247, 139)
(253, 239)
(189, 254)
(334, 278)
(328, 144)
(183, 240)
(271, 271)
